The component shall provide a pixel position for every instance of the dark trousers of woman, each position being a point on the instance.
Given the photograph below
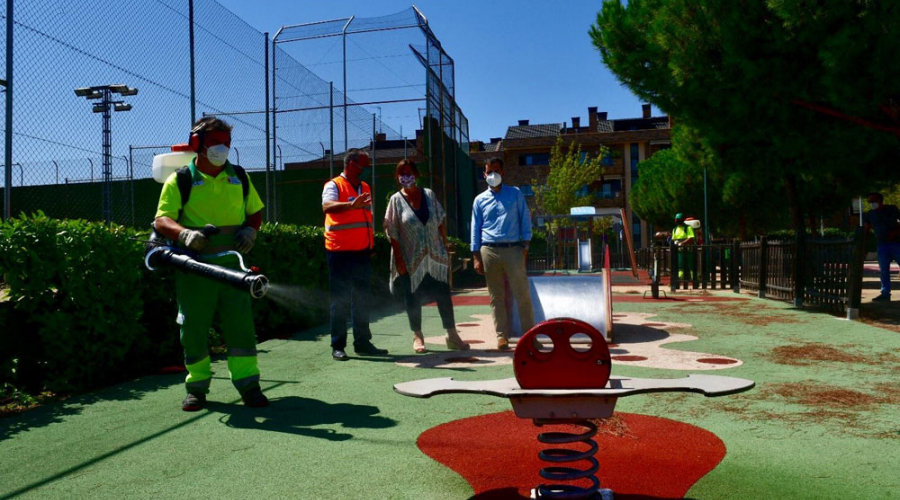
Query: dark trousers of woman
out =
(430, 288)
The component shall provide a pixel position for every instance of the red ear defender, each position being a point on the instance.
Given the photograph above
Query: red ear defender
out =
(196, 141)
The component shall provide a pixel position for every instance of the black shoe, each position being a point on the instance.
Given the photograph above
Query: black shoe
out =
(369, 349)
(193, 402)
(882, 298)
(339, 355)
(254, 398)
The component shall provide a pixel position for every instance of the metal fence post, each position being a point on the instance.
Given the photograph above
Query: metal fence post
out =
(855, 274)
(763, 265)
(374, 164)
(268, 132)
(673, 266)
(193, 79)
(331, 130)
(735, 267)
(8, 133)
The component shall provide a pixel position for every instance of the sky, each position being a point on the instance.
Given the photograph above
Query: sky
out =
(515, 60)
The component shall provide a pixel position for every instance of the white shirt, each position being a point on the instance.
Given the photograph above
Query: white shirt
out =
(330, 192)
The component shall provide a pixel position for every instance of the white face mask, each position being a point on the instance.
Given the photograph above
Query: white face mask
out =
(217, 155)
(874, 206)
(494, 179)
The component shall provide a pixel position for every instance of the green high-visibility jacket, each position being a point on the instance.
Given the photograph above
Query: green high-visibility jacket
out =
(682, 232)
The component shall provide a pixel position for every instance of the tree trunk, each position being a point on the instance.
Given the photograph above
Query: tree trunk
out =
(799, 227)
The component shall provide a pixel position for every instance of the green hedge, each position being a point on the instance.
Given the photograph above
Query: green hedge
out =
(82, 310)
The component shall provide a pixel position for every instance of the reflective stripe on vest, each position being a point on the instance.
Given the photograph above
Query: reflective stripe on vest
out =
(344, 227)
(351, 230)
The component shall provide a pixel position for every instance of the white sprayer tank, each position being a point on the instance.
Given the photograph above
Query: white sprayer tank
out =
(166, 163)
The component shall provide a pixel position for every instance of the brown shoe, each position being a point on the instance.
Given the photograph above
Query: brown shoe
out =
(502, 344)
(455, 342)
(418, 343)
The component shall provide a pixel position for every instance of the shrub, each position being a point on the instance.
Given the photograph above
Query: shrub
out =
(83, 311)
(74, 289)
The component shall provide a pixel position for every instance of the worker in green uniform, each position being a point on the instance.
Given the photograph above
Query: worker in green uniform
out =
(221, 194)
(683, 236)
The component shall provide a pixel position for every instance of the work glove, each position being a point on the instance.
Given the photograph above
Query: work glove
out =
(244, 239)
(193, 239)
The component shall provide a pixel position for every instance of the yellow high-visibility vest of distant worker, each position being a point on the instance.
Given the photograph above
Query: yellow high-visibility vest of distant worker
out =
(681, 235)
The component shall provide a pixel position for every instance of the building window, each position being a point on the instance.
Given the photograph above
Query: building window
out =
(534, 159)
(635, 158)
(583, 191)
(610, 189)
(607, 159)
(526, 189)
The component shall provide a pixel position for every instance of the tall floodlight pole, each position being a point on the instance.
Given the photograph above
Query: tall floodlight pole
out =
(106, 105)
(7, 189)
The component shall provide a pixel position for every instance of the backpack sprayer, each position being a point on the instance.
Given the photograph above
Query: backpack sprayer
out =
(162, 252)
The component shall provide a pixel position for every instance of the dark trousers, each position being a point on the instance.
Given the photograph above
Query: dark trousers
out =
(349, 277)
(430, 288)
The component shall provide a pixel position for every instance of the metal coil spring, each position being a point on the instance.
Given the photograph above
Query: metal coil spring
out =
(567, 456)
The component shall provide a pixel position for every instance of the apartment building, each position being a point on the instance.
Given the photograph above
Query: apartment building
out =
(525, 150)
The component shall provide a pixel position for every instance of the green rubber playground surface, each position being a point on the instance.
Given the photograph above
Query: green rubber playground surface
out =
(823, 421)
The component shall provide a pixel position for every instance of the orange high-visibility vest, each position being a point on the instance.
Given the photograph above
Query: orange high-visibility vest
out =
(352, 229)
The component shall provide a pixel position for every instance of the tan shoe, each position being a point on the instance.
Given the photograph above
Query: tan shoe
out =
(419, 343)
(502, 344)
(455, 342)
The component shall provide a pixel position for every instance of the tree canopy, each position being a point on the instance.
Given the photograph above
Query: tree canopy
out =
(570, 172)
(753, 78)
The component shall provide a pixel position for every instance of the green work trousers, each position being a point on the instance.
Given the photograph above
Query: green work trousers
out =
(686, 263)
(198, 300)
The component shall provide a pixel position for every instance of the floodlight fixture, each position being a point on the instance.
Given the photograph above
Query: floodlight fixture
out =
(100, 108)
(118, 87)
(129, 91)
(121, 106)
(84, 91)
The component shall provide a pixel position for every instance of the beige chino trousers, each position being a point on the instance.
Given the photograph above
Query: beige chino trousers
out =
(510, 262)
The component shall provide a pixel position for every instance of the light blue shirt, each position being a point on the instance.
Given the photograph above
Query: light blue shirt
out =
(500, 217)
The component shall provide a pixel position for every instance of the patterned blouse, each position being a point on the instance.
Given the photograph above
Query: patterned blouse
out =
(421, 244)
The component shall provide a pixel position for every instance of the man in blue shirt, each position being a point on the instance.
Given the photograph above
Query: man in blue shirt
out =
(884, 220)
(501, 233)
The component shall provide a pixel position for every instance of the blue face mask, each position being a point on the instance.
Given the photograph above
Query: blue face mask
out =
(407, 180)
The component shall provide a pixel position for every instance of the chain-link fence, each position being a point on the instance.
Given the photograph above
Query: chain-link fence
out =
(291, 123)
(393, 65)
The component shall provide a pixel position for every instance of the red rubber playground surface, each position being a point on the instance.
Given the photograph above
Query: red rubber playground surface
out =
(498, 455)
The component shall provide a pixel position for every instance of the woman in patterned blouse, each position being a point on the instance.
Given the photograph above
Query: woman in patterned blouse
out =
(414, 221)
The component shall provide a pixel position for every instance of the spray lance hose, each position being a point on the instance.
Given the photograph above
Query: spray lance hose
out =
(160, 252)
